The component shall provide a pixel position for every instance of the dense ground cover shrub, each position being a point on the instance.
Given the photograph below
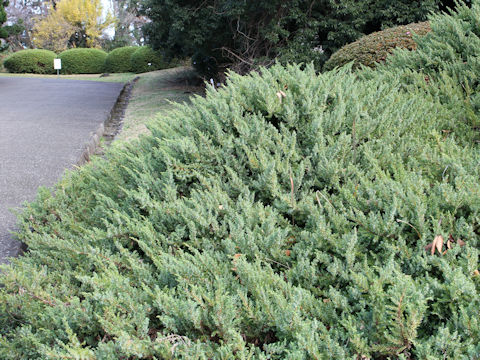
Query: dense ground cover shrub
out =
(83, 61)
(146, 59)
(118, 60)
(34, 61)
(375, 47)
(284, 216)
(451, 49)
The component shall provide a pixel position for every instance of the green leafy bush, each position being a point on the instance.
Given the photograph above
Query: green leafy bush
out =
(118, 60)
(146, 59)
(83, 61)
(283, 216)
(374, 48)
(34, 61)
(244, 34)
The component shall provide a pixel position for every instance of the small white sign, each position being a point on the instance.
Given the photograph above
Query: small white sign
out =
(57, 64)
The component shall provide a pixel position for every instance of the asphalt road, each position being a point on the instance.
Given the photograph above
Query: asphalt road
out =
(44, 127)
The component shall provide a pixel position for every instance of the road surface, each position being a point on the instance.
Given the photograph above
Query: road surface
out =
(44, 127)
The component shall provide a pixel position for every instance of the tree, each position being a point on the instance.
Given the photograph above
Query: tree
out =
(3, 18)
(244, 34)
(21, 15)
(71, 23)
(128, 23)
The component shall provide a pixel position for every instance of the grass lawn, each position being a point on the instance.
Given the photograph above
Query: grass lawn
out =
(153, 94)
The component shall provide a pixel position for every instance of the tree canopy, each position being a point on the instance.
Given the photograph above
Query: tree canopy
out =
(72, 23)
(3, 18)
(247, 33)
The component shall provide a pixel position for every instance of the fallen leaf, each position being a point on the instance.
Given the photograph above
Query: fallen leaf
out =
(438, 244)
(476, 273)
(287, 252)
(236, 256)
(220, 207)
(449, 244)
(326, 300)
(461, 242)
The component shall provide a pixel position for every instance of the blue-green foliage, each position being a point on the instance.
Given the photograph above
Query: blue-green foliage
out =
(283, 216)
(449, 51)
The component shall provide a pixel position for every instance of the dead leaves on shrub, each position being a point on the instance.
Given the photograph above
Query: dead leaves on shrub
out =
(438, 243)
(281, 95)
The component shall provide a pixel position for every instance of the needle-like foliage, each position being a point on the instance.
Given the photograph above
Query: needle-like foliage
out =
(283, 216)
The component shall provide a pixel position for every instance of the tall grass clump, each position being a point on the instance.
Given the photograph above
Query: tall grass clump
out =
(287, 215)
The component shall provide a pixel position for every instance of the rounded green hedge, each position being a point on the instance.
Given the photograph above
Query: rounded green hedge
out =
(375, 47)
(34, 61)
(118, 60)
(83, 61)
(146, 59)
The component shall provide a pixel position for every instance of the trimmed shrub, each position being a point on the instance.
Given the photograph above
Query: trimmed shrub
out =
(34, 61)
(118, 60)
(83, 61)
(374, 48)
(145, 59)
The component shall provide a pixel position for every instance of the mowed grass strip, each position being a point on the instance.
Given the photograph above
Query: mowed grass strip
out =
(153, 96)
(121, 77)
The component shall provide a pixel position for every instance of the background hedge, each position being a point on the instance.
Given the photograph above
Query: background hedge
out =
(145, 59)
(83, 61)
(118, 60)
(34, 61)
(244, 34)
(375, 47)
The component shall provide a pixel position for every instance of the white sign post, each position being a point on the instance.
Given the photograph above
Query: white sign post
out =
(57, 65)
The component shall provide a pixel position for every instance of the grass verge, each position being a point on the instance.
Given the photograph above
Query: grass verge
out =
(154, 94)
(123, 77)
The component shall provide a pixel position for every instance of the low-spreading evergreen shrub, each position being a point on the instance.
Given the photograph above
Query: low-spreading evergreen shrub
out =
(83, 61)
(146, 59)
(34, 61)
(374, 48)
(118, 60)
(287, 215)
(452, 49)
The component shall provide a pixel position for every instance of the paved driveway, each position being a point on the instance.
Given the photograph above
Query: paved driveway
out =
(44, 126)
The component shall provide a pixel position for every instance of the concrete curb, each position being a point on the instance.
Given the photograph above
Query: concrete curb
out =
(110, 127)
